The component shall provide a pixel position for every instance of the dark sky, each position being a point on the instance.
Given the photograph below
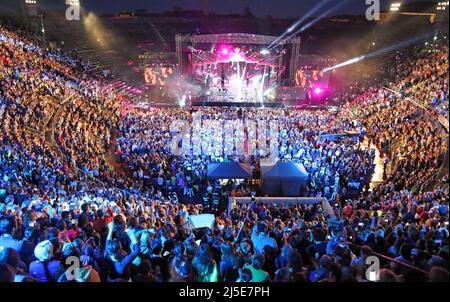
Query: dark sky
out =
(276, 8)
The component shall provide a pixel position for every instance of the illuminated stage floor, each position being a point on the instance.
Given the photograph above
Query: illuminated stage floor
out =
(239, 104)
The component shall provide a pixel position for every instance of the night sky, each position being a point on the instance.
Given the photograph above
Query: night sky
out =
(276, 8)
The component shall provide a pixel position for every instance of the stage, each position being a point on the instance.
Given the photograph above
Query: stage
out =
(238, 70)
(239, 104)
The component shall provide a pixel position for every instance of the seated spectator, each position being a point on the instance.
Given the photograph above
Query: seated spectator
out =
(10, 257)
(261, 239)
(258, 275)
(145, 272)
(6, 273)
(118, 263)
(204, 265)
(45, 268)
(387, 275)
(438, 274)
(245, 275)
(6, 230)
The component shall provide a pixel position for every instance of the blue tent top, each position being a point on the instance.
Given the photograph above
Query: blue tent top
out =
(229, 170)
(282, 170)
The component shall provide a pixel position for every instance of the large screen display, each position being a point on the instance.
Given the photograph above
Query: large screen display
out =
(310, 78)
(157, 75)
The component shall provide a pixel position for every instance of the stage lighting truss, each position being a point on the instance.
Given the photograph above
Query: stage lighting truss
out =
(238, 38)
(31, 2)
(264, 52)
(254, 49)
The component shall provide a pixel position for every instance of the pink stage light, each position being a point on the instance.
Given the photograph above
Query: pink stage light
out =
(224, 51)
(237, 57)
(318, 90)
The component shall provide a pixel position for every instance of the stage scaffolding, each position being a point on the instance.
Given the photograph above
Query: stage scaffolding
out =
(290, 59)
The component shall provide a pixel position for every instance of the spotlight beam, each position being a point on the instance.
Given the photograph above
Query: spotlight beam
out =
(326, 13)
(348, 62)
(315, 20)
(378, 52)
(261, 88)
(298, 22)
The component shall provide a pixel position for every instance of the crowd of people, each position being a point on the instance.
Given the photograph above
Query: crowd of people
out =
(63, 202)
(415, 145)
(424, 78)
(333, 164)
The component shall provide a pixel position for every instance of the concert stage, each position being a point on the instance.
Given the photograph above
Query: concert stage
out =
(239, 70)
(239, 104)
